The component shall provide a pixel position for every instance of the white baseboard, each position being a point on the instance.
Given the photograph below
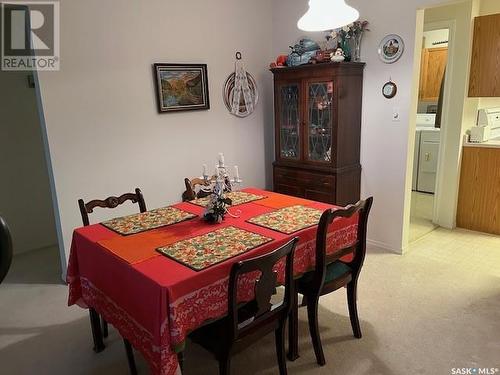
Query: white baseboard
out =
(384, 246)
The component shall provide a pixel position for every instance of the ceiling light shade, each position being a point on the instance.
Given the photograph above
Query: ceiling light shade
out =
(327, 15)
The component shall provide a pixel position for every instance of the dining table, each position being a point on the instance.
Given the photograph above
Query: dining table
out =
(160, 275)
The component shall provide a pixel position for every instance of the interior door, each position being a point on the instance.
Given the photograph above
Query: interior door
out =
(434, 62)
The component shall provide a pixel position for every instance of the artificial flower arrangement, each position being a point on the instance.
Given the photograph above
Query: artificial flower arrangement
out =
(216, 209)
(344, 35)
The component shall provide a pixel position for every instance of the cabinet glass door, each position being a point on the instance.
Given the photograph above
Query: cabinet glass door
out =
(319, 121)
(289, 121)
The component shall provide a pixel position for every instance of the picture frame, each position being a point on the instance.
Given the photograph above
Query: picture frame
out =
(391, 48)
(181, 87)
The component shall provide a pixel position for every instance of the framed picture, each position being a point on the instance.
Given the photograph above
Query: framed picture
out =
(181, 87)
(391, 48)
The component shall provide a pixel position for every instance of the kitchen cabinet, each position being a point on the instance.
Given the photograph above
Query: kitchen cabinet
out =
(478, 199)
(432, 72)
(317, 131)
(485, 64)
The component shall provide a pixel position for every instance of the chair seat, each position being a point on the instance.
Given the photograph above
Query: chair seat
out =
(214, 336)
(333, 271)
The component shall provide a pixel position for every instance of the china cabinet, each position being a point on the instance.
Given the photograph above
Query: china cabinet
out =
(317, 131)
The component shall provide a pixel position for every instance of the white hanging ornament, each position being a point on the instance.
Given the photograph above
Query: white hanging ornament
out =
(240, 91)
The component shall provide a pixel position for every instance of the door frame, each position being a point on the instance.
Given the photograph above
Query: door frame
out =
(439, 217)
(46, 150)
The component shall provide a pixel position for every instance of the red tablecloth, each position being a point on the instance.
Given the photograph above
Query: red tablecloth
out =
(155, 301)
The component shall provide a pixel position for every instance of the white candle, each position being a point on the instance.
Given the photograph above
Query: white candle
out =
(221, 159)
(205, 170)
(236, 172)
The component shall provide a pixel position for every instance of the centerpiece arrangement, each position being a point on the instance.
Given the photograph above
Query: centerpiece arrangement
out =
(218, 185)
(348, 38)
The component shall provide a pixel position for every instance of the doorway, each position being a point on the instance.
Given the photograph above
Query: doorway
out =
(27, 203)
(430, 121)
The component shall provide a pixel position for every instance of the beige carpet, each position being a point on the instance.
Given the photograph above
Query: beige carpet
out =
(434, 309)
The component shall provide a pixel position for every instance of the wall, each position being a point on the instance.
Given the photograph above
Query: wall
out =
(104, 132)
(489, 7)
(435, 36)
(26, 202)
(384, 143)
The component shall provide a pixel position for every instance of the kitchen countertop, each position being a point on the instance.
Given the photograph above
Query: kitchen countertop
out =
(493, 143)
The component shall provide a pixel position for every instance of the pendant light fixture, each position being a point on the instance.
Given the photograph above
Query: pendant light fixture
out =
(327, 15)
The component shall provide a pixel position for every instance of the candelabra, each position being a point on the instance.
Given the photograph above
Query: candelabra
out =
(216, 186)
(220, 181)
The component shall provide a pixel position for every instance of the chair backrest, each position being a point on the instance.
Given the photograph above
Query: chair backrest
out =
(191, 185)
(110, 202)
(261, 309)
(5, 249)
(358, 248)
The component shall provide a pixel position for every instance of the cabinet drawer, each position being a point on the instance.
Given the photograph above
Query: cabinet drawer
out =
(289, 189)
(304, 178)
(326, 196)
(317, 187)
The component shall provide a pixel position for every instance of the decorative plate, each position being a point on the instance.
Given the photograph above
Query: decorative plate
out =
(389, 90)
(391, 48)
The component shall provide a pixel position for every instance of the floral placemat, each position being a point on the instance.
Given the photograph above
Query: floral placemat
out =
(289, 219)
(153, 219)
(237, 198)
(209, 249)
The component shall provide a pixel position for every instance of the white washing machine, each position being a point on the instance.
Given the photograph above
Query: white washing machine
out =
(427, 140)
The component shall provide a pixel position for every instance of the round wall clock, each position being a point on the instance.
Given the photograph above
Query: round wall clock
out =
(391, 48)
(389, 90)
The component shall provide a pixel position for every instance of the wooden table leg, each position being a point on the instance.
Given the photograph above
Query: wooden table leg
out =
(180, 359)
(130, 357)
(293, 329)
(95, 323)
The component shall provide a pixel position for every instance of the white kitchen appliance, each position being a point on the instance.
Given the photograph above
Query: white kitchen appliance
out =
(488, 125)
(427, 140)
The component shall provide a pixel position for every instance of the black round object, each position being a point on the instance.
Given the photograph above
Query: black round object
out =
(5, 249)
(389, 90)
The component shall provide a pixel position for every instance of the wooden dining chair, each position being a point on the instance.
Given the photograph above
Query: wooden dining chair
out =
(330, 274)
(95, 320)
(192, 192)
(246, 324)
(5, 249)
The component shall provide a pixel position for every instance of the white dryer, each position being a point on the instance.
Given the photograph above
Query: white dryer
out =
(427, 140)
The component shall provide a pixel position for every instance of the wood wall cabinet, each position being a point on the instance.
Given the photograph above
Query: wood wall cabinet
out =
(485, 64)
(434, 62)
(478, 198)
(318, 127)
